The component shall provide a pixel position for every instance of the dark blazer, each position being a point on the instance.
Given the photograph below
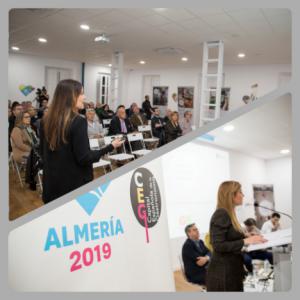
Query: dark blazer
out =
(146, 106)
(71, 166)
(190, 252)
(226, 270)
(115, 126)
(172, 132)
(135, 121)
(103, 114)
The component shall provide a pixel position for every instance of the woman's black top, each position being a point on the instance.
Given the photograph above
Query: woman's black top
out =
(172, 132)
(71, 165)
(226, 268)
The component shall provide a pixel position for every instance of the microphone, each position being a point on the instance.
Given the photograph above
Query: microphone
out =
(282, 213)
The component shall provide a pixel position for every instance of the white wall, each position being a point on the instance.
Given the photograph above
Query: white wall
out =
(247, 170)
(30, 70)
(279, 173)
(238, 77)
(90, 80)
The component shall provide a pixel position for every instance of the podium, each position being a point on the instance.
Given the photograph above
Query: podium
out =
(281, 243)
(282, 269)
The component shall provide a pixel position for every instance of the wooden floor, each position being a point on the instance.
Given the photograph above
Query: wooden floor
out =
(22, 200)
(182, 285)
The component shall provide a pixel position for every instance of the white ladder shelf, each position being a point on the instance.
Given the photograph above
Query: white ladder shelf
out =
(211, 111)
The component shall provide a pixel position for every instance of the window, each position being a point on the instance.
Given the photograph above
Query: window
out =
(103, 85)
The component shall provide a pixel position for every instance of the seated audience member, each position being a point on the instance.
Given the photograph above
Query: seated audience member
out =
(129, 111)
(120, 124)
(23, 137)
(168, 115)
(16, 109)
(195, 256)
(106, 113)
(147, 108)
(95, 129)
(272, 225)
(92, 105)
(98, 109)
(172, 128)
(251, 229)
(186, 123)
(157, 125)
(137, 119)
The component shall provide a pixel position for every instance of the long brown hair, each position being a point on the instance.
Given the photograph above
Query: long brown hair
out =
(62, 112)
(226, 193)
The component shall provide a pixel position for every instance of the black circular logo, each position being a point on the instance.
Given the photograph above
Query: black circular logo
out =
(145, 197)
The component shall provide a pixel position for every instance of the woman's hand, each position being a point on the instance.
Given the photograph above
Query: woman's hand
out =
(254, 239)
(117, 143)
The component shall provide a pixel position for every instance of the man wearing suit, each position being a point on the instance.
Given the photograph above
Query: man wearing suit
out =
(195, 256)
(120, 124)
(157, 124)
(137, 119)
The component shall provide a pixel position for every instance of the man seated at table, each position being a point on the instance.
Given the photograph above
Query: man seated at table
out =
(251, 229)
(95, 129)
(195, 256)
(273, 224)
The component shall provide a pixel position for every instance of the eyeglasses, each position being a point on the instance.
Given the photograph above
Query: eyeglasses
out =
(26, 117)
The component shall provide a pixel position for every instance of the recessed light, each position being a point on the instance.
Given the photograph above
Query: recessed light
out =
(241, 55)
(85, 27)
(110, 65)
(142, 62)
(228, 128)
(285, 151)
(42, 40)
(160, 9)
(184, 59)
(15, 48)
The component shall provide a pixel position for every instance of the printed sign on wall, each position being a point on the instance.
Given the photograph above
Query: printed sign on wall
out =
(113, 238)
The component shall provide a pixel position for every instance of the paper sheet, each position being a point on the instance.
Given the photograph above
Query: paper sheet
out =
(276, 238)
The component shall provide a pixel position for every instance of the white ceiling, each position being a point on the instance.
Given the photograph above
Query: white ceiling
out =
(263, 34)
(262, 132)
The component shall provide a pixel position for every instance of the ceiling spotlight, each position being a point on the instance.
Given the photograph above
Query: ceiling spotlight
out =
(110, 65)
(160, 9)
(228, 128)
(285, 151)
(241, 55)
(184, 59)
(42, 40)
(85, 27)
(103, 38)
(15, 48)
(142, 62)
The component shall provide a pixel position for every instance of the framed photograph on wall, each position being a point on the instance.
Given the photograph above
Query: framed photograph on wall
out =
(263, 195)
(186, 96)
(160, 95)
(225, 98)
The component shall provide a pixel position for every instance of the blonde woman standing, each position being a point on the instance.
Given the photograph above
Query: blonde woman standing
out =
(226, 269)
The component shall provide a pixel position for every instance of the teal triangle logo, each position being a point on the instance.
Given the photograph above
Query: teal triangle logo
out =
(90, 200)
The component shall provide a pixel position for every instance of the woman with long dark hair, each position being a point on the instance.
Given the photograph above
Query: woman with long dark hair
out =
(226, 268)
(67, 157)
